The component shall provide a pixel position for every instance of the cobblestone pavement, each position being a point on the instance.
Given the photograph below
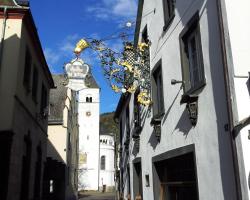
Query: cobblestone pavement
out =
(97, 196)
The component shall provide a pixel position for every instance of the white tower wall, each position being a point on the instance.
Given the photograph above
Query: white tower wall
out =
(89, 111)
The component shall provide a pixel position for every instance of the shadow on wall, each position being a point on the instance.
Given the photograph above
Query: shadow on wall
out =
(57, 180)
(53, 153)
(219, 98)
(248, 84)
(153, 140)
(183, 125)
(170, 107)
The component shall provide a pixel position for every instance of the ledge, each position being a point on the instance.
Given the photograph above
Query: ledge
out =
(156, 120)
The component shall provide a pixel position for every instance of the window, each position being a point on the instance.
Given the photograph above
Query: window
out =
(137, 176)
(51, 186)
(137, 110)
(103, 162)
(157, 87)
(34, 84)
(147, 180)
(175, 177)
(69, 141)
(127, 125)
(191, 57)
(27, 70)
(145, 35)
(44, 97)
(26, 166)
(168, 9)
(37, 182)
(89, 99)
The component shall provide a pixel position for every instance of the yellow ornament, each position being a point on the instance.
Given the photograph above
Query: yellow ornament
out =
(115, 88)
(137, 73)
(142, 46)
(114, 71)
(80, 46)
(132, 89)
(144, 99)
(128, 47)
(127, 65)
(100, 49)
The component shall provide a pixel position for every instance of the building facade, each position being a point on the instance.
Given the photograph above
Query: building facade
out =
(25, 81)
(62, 147)
(107, 163)
(238, 62)
(89, 114)
(182, 146)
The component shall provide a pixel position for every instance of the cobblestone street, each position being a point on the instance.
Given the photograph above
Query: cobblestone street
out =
(97, 196)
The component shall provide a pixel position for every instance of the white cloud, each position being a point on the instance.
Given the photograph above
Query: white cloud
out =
(63, 52)
(125, 8)
(114, 9)
(68, 44)
(51, 56)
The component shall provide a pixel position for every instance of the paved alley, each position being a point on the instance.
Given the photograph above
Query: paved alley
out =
(97, 196)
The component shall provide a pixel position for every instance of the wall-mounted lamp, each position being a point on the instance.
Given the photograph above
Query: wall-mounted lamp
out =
(173, 82)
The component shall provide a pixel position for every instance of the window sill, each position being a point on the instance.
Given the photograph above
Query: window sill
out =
(188, 98)
(192, 93)
(156, 120)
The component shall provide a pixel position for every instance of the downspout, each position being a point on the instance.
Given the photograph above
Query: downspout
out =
(2, 35)
(229, 102)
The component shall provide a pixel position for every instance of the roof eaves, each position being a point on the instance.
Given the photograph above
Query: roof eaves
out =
(138, 21)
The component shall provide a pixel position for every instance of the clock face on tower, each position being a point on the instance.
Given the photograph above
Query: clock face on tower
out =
(88, 113)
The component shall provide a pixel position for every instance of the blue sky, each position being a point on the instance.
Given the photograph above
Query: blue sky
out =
(62, 23)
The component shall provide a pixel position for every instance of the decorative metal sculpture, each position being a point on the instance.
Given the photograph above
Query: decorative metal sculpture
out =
(125, 71)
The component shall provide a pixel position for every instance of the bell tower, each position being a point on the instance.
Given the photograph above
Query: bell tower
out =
(88, 120)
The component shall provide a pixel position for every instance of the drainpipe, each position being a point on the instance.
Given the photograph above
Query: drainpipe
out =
(2, 35)
(229, 101)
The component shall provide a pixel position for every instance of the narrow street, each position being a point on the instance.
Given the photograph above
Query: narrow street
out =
(97, 196)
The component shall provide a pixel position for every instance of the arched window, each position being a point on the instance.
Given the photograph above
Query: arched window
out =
(89, 99)
(103, 162)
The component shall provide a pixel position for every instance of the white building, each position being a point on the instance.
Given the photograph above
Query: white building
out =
(107, 165)
(184, 147)
(61, 168)
(25, 82)
(239, 63)
(89, 114)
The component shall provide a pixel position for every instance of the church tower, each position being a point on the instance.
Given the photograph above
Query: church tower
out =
(88, 120)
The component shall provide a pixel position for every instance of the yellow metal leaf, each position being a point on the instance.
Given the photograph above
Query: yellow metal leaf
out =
(80, 46)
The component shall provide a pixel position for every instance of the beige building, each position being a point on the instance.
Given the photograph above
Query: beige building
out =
(62, 151)
(25, 81)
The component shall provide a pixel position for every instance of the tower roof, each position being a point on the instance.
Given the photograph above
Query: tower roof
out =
(57, 99)
(90, 81)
